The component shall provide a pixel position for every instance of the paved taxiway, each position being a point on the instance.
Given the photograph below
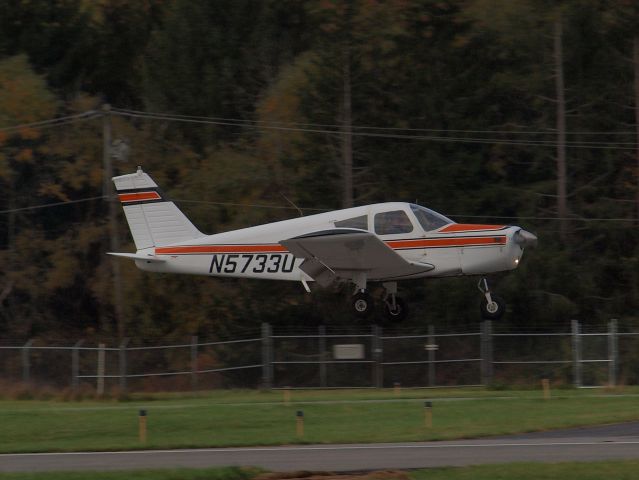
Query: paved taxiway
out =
(582, 444)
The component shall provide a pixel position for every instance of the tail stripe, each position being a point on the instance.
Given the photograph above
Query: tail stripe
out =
(135, 198)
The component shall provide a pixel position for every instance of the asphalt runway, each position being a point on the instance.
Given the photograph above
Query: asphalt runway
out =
(608, 442)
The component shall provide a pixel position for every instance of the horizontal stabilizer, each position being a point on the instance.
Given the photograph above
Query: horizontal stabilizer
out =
(137, 256)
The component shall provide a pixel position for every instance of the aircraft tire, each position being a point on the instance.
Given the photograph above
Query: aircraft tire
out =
(495, 311)
(362, 304)
(400, 312)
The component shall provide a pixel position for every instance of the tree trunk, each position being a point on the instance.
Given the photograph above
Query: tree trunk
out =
(636, 80)
(562, 205)
(347, 131)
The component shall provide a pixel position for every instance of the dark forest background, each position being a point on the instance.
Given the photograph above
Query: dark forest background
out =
(507, 111)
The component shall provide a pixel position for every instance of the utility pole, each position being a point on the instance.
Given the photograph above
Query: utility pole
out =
(111, 199)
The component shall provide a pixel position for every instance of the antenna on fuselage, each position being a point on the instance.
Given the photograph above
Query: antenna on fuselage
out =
(291, 202)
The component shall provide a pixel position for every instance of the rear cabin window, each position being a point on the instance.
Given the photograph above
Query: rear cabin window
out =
(355, 222)
(389, 223)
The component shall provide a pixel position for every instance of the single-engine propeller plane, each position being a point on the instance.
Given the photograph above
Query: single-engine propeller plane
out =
(381, 243)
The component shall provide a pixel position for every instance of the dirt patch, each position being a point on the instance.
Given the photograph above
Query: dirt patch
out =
(304, 475)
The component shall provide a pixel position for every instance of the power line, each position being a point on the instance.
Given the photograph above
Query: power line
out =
(358, 127)
(49, 205)
(229, 204)
(321, 130)
(282, 207)
(53, 122)
(358, 130)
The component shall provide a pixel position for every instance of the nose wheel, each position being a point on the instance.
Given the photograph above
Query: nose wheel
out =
(395, 308)
(492, 307)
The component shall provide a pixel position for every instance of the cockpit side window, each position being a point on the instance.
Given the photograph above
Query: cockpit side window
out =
(388, 223)
(428, 219)
(355, 222)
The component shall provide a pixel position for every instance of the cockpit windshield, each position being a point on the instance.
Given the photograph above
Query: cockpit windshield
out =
(429, 219)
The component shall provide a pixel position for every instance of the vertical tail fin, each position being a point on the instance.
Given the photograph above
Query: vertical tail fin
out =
(153, 220)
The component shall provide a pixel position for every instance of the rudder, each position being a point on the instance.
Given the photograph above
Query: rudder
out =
(154, 221)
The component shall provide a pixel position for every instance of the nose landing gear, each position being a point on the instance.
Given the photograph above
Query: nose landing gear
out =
(492, 307)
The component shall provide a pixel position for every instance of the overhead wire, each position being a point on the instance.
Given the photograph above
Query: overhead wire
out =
(358, 127)
(52, 122)
(322, 128)
(54, 204)
(331, 131)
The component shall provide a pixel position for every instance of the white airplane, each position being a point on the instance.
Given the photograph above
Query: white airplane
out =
(383, 243)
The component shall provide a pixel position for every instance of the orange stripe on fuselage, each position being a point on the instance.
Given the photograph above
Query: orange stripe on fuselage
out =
(394, 244)
(139, 197)
(199, 249)
(468, 227)
(447, 242)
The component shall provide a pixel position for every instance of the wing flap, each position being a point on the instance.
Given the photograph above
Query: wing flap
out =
(342, 253)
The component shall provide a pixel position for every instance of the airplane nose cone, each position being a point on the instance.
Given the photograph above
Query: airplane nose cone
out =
(525, 239)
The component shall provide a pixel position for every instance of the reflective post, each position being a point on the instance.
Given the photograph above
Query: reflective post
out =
(142, 426)
(299, 423)
(428, 414)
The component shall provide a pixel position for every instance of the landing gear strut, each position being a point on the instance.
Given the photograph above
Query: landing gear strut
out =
(395, 308)
(492, 307)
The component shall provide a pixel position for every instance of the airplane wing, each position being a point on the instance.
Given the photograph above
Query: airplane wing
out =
(343, 253)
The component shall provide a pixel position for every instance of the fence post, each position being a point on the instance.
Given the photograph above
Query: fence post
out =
(26, 363)
(322, 355)
(431, 355)
(576, 353)
(194, 366)
(612, 352)
(376, 356)
(122, 363)
(75, 364)
(100, 376)
(267, 356)
(487, 351)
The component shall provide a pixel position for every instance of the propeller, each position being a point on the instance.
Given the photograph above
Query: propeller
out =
(525, 239)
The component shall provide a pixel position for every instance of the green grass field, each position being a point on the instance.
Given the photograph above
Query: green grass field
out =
(618, 470)
(261, 418)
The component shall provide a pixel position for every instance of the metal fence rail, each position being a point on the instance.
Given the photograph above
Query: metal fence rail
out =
(368, 357)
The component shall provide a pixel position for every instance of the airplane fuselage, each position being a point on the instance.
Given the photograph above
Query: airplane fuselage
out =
(453, 249)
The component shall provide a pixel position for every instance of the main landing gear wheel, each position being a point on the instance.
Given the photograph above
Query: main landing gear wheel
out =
(362, 304)
(395, 313)
(492, 307)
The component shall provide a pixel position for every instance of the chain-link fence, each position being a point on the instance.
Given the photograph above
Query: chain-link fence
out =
(365, 357)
